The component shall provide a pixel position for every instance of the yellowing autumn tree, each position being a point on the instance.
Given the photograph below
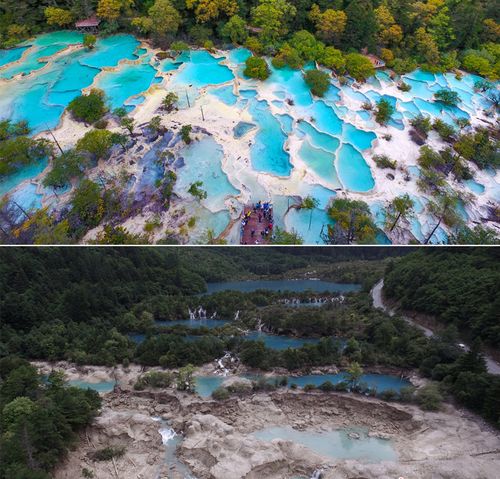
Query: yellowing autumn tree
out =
(206, 10)
(162, 18)
(330, 24)
(111, 9)
(58, 16)
(388, 31)
(273, 17)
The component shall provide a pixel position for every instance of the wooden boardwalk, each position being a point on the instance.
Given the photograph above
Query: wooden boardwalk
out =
(257, 227)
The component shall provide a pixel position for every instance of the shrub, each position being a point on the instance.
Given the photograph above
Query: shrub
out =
(447, 97)
(358, 66)
(327, 386)
(406, 394)
(262, 384)
(384, 112)
(422, 124)
(404, 86)
(317, 81)
(107, 453)
(383, 161)
(185, 133)
(429, 398)
(445, 131)
(154, 379)
(256, 67)
(88, 108)
(220, 394)
(388, 395)
(309, 387)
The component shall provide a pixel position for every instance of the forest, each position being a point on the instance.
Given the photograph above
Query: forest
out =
(86, 305)
(39, 419)
(440, 34)
(457, 287)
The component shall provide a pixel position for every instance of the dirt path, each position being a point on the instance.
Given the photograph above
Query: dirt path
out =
(378, 302)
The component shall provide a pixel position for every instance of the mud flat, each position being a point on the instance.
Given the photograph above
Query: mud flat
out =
(218, 440)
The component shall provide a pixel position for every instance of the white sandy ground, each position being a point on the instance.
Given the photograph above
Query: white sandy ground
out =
(220, 120)
(218, 441)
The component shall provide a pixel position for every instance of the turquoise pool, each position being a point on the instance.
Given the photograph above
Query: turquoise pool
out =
(336, 444)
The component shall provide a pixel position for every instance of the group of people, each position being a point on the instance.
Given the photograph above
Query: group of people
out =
(264, 213)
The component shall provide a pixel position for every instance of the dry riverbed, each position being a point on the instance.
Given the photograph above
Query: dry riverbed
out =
(218, 442)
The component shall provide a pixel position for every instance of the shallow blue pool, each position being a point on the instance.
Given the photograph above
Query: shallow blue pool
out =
(335, 444)
(352, 169)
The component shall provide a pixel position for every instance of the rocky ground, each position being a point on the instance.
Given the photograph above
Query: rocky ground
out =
(217, 440)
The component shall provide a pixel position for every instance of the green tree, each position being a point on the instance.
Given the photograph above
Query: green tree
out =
(353, 222)
(185, 379)
(283, 237)
(358, 66)
(235, 29)
(96, 142)
(318, 81)
(256, 67)
(273, 17)
(128, 124)
(163, 19)
(447, 97)
(87, 203)
(309, 203)
(384, 112)
(354, 373)
(444, 209)
(400, 207)
(88, 108)
(196, 190)
(65, 167)
(89, 41)
(361, 25)
(185, 133)
(429, 398)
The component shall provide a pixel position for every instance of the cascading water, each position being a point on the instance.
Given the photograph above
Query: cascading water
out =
(170, 439)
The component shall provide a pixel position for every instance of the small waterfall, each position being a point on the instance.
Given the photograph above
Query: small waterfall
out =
(192, 314)
(259, 325)
(237, 315)
(214, 315)
(170, 439)
(317, 474)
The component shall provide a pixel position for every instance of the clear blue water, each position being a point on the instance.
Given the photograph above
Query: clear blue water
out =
(203, 163)
(353, 171)
(101, 387)
(267, 151)
(360, 139)
(242, 128)
(292, 83)
(128, 81)
(225, 94)
(280, 343)
(474, 186)
(334, 444)
(298, 285)
(203, 69)
(325, 119)
(205, 385)
(380, 382)
(9, 182)
(11, 55)
(308, 226)
(321, 162)
(27, 197)
(110, 50)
